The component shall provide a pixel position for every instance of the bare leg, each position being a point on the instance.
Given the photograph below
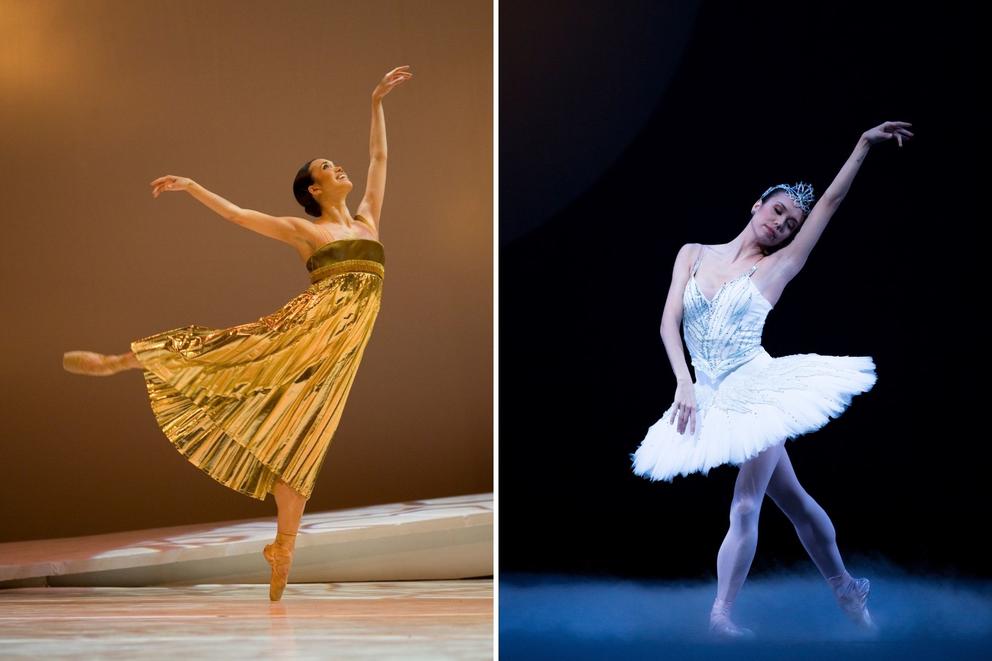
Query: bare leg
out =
(817, 534)
(289, 506)
(91, 363)
(279, 554)
(131, 361)
(738, 548)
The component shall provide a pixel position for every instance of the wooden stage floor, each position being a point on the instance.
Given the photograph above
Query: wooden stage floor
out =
(441, 619)
(409, 580)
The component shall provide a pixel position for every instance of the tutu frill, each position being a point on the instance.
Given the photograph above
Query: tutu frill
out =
(763, 402)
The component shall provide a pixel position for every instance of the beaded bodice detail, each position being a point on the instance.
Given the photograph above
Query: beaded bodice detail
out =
(725, 332)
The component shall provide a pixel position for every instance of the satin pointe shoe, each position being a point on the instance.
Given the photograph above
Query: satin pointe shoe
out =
(91, 363)
(721, 625)
(852, 596)
(279, 555)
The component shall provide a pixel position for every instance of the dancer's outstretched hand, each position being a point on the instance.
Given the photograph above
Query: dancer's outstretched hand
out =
(685, 407)
(170, 182)
(888, 130)
(395, 77)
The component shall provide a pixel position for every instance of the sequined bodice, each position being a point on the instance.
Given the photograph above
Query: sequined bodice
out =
(725, 332)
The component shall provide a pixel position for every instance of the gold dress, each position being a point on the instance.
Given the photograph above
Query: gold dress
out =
(260, 401)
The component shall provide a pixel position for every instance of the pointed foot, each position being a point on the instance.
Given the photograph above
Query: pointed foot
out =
(853, 600)
(279, 555)
(721, 626)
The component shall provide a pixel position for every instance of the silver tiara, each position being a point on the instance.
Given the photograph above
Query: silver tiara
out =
(801, 194)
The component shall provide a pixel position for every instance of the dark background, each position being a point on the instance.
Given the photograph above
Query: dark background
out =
(627, 131)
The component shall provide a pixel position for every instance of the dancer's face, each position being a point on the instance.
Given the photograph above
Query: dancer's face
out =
(331, 182)
(775, 219)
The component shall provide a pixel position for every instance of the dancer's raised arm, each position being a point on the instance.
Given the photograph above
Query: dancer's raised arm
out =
(799, 249)
(375, 186)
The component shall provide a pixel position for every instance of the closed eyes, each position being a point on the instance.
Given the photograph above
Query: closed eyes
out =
(792, 223)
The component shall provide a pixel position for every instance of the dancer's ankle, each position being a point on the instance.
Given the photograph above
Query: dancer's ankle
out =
(723, 604)
(839, 582)
(286, 539)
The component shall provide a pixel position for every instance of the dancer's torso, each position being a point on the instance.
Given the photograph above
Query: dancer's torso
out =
(723, 332)
(317, 237)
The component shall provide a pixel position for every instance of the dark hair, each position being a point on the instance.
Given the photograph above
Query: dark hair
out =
(779, 246)
(301, 183)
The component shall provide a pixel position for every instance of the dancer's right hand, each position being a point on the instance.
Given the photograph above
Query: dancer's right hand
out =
(684, 407)
(170, 182)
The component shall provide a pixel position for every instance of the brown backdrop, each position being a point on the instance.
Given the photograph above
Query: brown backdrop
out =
(97, 98)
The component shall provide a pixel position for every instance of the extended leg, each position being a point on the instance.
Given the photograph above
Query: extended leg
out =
(131, 361)
(279, 554)
(737, 551)
(815, 530)
(98, 364)
(817, 534)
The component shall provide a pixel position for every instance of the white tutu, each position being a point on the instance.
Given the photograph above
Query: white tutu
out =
(754, 406)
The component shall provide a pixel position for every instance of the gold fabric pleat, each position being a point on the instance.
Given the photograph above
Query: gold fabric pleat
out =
(260, 401)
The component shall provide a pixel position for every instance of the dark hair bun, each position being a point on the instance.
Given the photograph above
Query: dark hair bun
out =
(301, 185)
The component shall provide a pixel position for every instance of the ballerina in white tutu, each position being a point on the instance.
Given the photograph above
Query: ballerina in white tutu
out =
(745, 403)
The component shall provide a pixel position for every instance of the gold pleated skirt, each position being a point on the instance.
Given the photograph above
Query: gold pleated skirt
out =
(260, 401)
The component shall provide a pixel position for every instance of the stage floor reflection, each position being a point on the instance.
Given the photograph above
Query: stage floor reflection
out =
(450, 619)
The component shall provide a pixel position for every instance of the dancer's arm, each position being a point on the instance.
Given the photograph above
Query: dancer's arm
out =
(375, 186)
(281, 228)
(798, 251)
(671, 317)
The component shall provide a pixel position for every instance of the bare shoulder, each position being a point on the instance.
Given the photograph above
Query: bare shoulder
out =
(684, 259)
(688, 251)
(303, 232)
(305, 237)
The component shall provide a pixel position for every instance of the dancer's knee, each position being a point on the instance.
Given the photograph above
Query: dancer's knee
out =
(744, 511)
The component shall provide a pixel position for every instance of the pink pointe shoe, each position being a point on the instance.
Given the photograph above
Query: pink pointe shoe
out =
(279, 555)
(852, 597)
(721, 625)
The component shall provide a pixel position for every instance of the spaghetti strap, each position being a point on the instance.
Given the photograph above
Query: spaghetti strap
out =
(754, 267)
(699, 258)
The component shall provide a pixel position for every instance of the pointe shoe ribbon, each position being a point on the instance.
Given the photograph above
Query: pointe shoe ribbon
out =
(279, 555)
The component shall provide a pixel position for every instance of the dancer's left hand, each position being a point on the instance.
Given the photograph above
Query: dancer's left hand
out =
(887, 131)
(395, 77)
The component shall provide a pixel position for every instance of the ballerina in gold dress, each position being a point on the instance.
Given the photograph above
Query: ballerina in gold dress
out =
(255, 406)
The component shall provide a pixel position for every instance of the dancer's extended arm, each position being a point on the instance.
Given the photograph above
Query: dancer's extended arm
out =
(281, 228)
(375, 186)
(798, 251)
